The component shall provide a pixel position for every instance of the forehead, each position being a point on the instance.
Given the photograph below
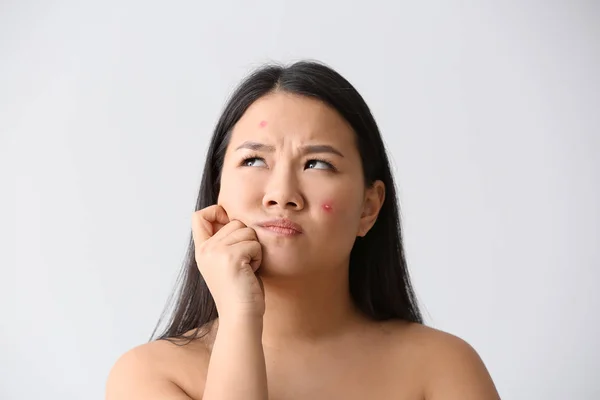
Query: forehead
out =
(296, 118)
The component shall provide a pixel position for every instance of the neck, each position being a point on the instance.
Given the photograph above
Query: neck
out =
(308, 309)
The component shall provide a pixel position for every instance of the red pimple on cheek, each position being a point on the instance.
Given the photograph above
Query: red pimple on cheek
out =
(327, 207)
(262, 124)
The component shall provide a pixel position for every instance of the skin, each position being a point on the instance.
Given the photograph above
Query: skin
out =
(302, 338)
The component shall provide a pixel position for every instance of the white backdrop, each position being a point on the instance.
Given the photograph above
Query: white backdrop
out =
(490, 111)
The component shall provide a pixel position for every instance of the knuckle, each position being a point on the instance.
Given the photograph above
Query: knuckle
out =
(237, 223)
(230, 258)
(248, 232)
(200, 213)
(203, 250)
(201, 247)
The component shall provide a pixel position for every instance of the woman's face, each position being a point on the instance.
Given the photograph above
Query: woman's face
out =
(294, 157)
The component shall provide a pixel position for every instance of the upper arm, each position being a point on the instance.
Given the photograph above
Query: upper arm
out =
(458, 373)
(132, 378)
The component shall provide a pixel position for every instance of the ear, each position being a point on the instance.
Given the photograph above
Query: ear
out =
(374, 198)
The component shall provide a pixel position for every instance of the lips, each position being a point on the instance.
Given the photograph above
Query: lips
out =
(282, 224)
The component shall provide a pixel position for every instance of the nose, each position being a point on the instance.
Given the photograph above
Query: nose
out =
(283, 191)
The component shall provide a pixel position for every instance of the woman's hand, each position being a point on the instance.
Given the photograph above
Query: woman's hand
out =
(228, 254)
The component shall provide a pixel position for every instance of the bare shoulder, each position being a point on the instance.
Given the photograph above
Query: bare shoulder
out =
(159, 370)
(452, 368)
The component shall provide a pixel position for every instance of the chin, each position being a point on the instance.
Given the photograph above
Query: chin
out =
(276, 264)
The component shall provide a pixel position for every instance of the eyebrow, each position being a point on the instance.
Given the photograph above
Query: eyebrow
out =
(308, 149)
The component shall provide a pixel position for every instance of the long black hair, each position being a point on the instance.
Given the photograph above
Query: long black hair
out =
(378, 277)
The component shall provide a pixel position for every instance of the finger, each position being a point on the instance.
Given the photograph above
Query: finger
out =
(203, 221)
(250, 252)
(228, 229)
(239, 235)
(217, 227)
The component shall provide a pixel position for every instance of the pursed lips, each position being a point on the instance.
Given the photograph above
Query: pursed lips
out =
(282, 225)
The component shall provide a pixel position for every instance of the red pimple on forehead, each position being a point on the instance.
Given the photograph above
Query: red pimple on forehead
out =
(262, 124)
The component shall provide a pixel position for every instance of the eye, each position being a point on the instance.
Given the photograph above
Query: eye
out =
(252, 162)
(319, 164)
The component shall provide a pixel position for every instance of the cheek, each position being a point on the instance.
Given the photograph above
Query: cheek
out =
(338, 202)
(334, 209)
(238, 193)
(338, 224)
(327, 207)
(341, 212)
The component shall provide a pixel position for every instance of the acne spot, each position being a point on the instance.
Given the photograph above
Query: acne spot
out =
(262, 124)
(327, 207)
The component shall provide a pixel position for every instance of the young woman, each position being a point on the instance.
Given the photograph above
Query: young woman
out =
(296, 285)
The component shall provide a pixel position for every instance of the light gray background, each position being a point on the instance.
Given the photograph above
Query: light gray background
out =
(490, 111)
